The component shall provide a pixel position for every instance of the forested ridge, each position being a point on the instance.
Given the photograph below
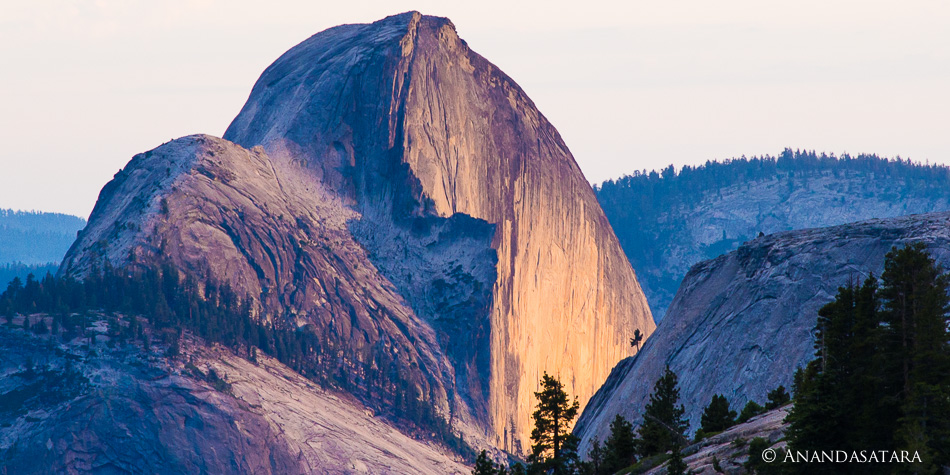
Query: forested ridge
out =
(668, 220)
(34, 241)
(656, 192)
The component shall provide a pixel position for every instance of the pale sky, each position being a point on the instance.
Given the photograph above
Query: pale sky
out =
(85, 85)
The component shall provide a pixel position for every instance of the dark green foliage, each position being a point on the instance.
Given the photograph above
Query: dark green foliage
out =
(10, 271)
(217, 383)
(173, 349)
(596, 458)
(217, 314)
(40, 327)
(620, 449)
(716, 466)
(916, 350)
(663, 421)
(484, 465)
(676, 465)
(717, 417)
(637, 338)
(750, 410)
(777, 398)
(881, 375)
(554, 447)
(618, 452)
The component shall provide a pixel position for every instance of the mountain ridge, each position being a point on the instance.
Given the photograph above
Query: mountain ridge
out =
(702, 212)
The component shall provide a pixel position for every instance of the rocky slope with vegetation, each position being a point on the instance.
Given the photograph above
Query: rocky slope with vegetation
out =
(97, 393)
(669, 221)
(742, 323)
(729, 451)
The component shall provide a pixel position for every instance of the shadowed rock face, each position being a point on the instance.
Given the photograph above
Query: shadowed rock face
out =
(742, 323)
(409, 198)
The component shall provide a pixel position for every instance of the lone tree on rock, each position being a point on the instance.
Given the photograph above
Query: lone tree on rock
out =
(554, 445)
(637, 338)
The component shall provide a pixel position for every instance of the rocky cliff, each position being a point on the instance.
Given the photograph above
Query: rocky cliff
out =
(407, 198)
(742, 323)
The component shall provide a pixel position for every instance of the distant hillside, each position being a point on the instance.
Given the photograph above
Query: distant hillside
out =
(668, 221)
(10, 270)
(32, 241)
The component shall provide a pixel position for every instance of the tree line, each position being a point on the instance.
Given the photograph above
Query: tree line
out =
(17, 269)
(880, 379)
(646, 209)
(216, 313)
(644, 194)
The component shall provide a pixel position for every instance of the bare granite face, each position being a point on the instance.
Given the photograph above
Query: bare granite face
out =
(742, 323)
(404, 121)
(397, 191)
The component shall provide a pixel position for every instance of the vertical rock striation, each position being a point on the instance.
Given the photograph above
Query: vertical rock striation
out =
(395, 192)
(403, 121)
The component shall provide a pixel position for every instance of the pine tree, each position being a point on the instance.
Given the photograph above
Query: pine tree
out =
(717, 417)
(621, 446)
(750, 410)
(756, 464)
(816, 420)
(554, 446)
(676, 465)
(637, 338)
(484, 465)
(881, 374)
(663, 421)
(777, 398)
(596, 460)
(917, 342)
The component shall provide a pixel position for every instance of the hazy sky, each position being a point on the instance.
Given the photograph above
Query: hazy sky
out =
(84, 85)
